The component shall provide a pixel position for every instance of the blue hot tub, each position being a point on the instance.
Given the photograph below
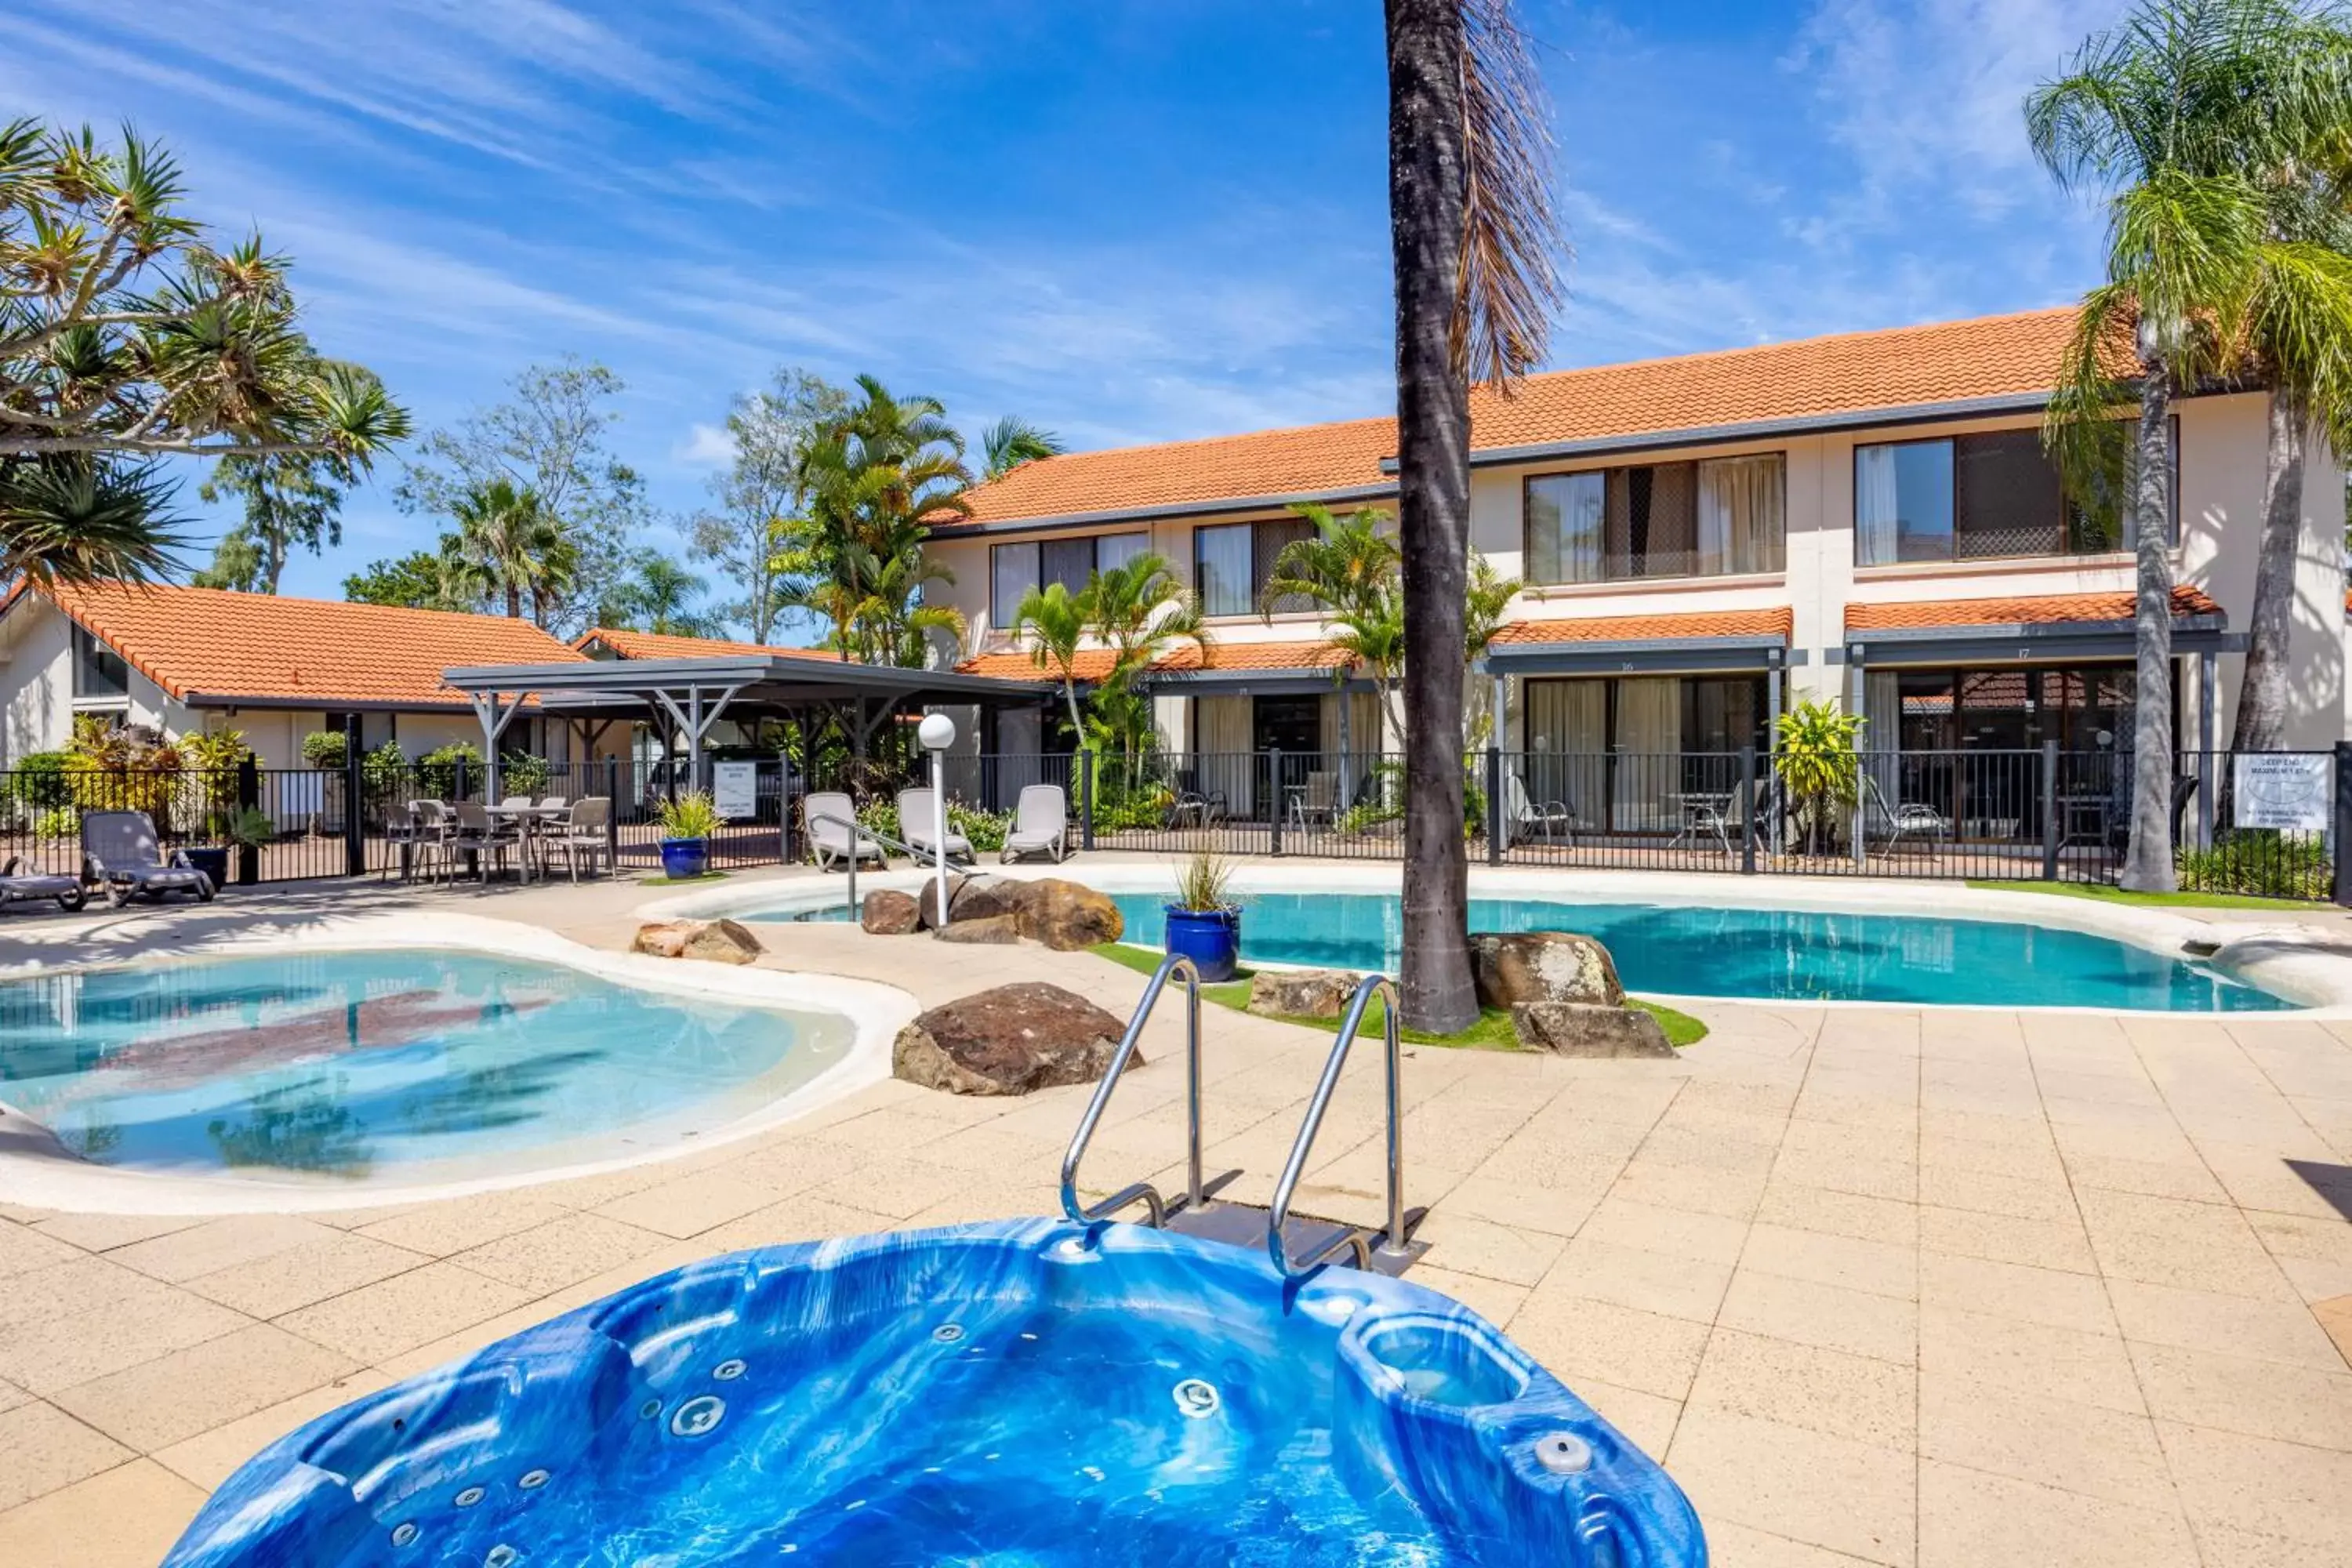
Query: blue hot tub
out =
(1028, 1394)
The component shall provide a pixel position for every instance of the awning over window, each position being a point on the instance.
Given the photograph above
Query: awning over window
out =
(1696, 643)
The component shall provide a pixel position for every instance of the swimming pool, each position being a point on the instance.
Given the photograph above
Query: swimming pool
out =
(1029, 1394)
(429, 1065)
(1794, 956)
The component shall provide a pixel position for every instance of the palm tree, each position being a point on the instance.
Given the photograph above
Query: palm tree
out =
(1485, 607)
(1054, 620)
(1472, 234)
(1348, 568)
(2182, 113)
(659, 595)
(1136, 610)
(508, 545)
(1012, 441)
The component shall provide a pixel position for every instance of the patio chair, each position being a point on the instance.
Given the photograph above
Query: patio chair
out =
(1550, 821)
(1041, 822)
(120, 853)
(1721, 815)
(826, 816)
(475, 834)
(581, 831)
(20, 886)
(431, 826)
(1902, 818)
(915, 809)
(1318, 803)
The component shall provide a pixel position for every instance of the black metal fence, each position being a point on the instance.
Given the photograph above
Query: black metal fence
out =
(2258, 825)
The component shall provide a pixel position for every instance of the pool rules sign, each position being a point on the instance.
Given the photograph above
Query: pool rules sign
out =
(735, 789)
(2285, 790)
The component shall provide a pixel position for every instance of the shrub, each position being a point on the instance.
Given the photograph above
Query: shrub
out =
(39, 781)
(880, 815)
(2260, 862)
(128, 767)
(519, 773)
(986, 829)
(386, 764)
(1816, 759)
(60, 822)
(436, 771)
(326, 750)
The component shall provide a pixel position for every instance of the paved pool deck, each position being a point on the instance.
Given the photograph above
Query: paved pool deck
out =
(1888, 1286)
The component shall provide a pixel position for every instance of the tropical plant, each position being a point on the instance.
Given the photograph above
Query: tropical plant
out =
(690, 816)
(509, 547)
(1816, 755)
(1349, 569)
(123, 767)
(658, 595)
(1203, 885)
(1138, 610)
(249, 828)
(1053, 622)
(126, 336)
(326, 750)
(770, 434)
(2197, 117)
(419, 580)
(1486, 607)
(2261, 863)
(521, 772)
(1473, 244)
(1012, 441)
(290, 503)
(63, 822)
(39, 781)
(209, 786)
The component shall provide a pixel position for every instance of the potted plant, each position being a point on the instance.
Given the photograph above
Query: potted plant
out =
(687, 824)
(250, 830)
(1204, 924)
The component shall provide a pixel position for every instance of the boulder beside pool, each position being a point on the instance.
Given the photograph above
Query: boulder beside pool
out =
(969, 898)
(1066, 916)
(1302, 993)
(1516, 968)
(718, 941)
(1589, 1029)
(1008, 1041)
(888, 913)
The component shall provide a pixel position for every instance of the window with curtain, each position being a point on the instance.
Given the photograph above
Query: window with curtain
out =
(1653, 522)
(1222, 559)
(1069, 562)
(1903, 502)
(1992, 495)
(1014, 569)
(1116, 549)
(1564, 515)
(1012, 573)
(1266, 545)
(1743, 514)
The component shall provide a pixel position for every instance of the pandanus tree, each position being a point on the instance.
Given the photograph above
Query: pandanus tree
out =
(127, 337)
(1475, 248)
(2197, 117)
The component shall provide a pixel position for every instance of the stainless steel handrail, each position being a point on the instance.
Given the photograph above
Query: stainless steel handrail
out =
(1156, 1207)
(857, 829)
(1393, 1242)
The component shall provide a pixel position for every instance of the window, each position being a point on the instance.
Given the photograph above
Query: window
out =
(1985, 497)
(1664, 519)
(99, 671)
(1233, 560)
(1014, 569)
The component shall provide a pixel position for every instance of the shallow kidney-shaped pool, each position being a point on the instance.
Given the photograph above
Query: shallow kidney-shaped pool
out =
(1030, 1394)
(422, 1064)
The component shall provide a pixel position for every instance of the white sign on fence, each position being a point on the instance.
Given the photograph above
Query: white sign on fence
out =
(735, 789)
(2277, 789)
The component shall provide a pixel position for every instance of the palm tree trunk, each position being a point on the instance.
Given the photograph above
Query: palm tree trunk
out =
(2147, 854)
(514, 603)
(1427, 189)
(2261, 695)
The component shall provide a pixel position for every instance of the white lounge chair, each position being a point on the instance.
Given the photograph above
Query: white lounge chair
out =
(1041, 822)
(120, 853)
(19, 886)
(825, 814)
(915, 809)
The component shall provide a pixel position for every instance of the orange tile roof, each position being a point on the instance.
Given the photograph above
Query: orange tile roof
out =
(1854, 373)
(211, 643)
(668, 645)
(1093, 664)
(1770, 622)
(2041, 609)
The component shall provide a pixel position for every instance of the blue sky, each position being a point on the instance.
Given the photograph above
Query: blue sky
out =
(1128, 220)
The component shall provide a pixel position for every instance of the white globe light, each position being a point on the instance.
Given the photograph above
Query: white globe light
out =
(937, 732)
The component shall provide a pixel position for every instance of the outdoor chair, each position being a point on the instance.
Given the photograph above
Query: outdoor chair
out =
(1721, 815)
(120, 853)
(581, 831)
(20, 886)
(1550, 821)
(553, 802)
(1316, 805)
(475, 834)
(826, 816)
(1902, 819)
(1041, 822)
(431, 826)
(915, 809)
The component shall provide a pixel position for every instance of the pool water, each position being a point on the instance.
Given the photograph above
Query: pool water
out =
(1024, 1394)
(438, 1064)
(1794, 956)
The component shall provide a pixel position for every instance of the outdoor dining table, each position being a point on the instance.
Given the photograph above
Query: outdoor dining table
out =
(528, 820)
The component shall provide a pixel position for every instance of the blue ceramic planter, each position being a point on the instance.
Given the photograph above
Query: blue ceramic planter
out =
(683, 858)
(1212, 939)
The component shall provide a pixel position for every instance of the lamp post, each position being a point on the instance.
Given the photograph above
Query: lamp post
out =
(937, 732)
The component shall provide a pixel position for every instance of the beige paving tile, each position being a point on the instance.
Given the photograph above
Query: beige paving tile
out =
(2185, 1179)
(211, 1456)
(2192, 1246)
(103, 1232)
(404, 1312)
(2043, 1198)
(693, 1204)
(1968, 1518)
(217, 1243)
(174, 1397)
(1577, 1337)
(563, 1252)
(1678, 1233)
(125, 1517)
(2024, 1358)
(2267, 1487)
(1646, 1419)
(77, 1321)
(442, 1229)
(2049, 1442)
(2230, 1325)
(900, 1188)
(25, 1247)
(1731, 1193)
(1730, 1545)
(43, 1448)
(1868, 1400)
(1827, 1491)
(1828, 1316)
(1513, 1256)
(1877, 1267)
(1798, 1207)
(1561, 1211)
(801, 1218)
(1646, 1281)
(2050, 1296)
(1491, 1298)
(2004, 1238)
(312, 1270)
(2257, 1399)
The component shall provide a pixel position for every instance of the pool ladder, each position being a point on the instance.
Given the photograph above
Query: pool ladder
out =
(1197, 1211)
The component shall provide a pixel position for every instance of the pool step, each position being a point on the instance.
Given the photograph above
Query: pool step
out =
(1243, 1226)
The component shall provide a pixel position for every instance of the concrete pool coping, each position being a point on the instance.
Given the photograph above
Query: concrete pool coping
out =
(34, 1169)
(2290, 961)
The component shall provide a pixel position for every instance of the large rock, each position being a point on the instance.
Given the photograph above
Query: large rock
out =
(1009, 1040)
(1000, 931)
(888, 913)
(717, 942)
(1302, 993)
(1513, 968)
(969, 898)
(1067, 916)
(1589, 1029)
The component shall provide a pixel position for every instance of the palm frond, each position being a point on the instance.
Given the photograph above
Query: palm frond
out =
(1509, 283)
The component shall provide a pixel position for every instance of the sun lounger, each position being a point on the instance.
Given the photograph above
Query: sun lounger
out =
(18, 886)
(915, 809)
(827, 815)
(122, 854)
(1041, 824)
